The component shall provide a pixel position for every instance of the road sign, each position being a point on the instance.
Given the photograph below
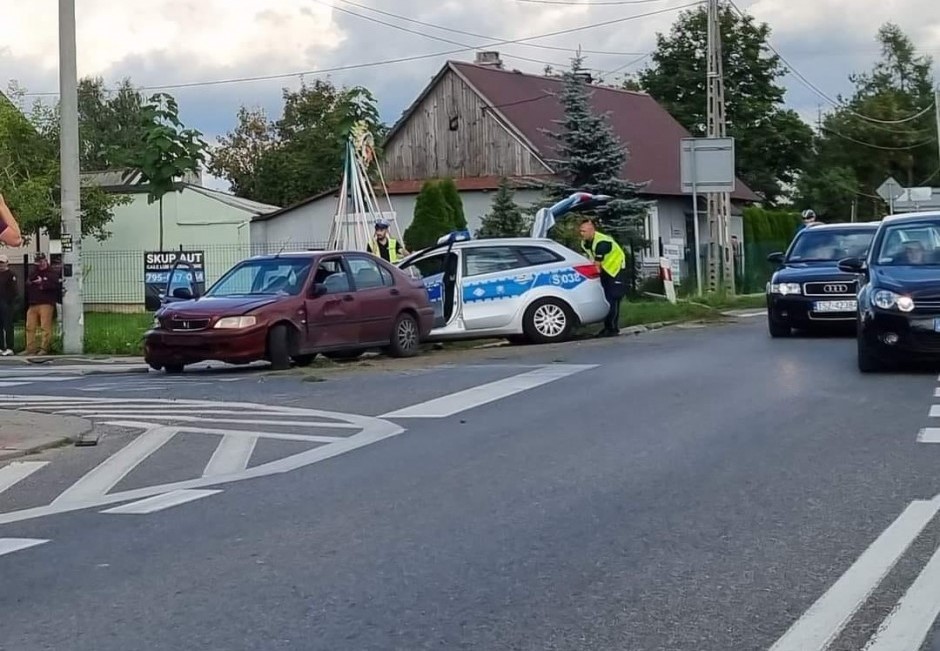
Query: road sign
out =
(890, 190)
(707, 165)
(916, 195)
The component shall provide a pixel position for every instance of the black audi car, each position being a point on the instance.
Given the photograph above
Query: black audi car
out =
(808, 290)
(899, 298)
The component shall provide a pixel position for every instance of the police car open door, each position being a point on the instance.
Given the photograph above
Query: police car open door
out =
(439, 270)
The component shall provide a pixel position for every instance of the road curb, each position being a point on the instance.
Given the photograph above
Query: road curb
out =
(75, 431)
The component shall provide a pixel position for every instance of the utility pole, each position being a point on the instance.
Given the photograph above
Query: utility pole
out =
(720, 267)
(936, 108)
(73, 317)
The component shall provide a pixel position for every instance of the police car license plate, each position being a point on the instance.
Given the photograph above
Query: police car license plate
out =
(835, 306)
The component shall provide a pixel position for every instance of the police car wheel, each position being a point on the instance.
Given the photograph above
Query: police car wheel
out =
(548, 320)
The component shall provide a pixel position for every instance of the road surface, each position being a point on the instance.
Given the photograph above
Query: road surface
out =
(697, 488)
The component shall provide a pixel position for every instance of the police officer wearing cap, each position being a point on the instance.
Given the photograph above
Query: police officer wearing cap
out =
(387, 248)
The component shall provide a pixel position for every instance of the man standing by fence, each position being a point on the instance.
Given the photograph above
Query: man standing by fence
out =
(43, 291)
(9, 292)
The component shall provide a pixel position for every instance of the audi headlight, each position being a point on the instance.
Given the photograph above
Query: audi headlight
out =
(886, 299)
(785, 288)
(235, 322)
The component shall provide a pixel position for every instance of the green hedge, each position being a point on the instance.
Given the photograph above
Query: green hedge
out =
(765, 232)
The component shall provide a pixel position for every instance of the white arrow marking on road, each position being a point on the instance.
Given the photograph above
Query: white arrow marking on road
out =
(231, 455)
(908, 625)
(17, 472)
(161, 502)
(486, 393)
(112, 470)
(826, 618)
(10, 545)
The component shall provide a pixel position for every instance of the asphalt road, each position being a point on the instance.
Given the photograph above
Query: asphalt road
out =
(693, 489)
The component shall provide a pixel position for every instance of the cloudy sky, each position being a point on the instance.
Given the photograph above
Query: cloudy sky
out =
(185, 43)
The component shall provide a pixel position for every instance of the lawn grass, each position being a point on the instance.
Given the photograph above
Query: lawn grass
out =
(108, 333)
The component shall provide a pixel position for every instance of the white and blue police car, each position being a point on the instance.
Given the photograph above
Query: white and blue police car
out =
(525, 289)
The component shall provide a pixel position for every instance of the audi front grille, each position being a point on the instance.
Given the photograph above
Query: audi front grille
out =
(848, 288)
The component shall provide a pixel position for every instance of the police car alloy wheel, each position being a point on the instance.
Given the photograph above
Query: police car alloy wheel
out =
(548, 320)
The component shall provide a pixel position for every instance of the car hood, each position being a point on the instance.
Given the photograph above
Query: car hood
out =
(918, 282)
(811, 272)
(218, 306)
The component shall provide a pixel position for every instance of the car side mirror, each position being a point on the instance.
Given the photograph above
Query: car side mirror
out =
(318, 290)
(776, 258)
(852, 265)
(183, 293)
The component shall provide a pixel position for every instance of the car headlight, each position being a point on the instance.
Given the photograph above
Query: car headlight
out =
(785, 288)
(235, 322)
(156, 322)
(886, 299)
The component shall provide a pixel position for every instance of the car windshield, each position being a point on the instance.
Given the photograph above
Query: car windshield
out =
(911, 244)
(830, 245)
(278, 276)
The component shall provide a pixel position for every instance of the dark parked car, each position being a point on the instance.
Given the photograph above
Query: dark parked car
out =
(290, 307)
(899, 300)
(808, 291)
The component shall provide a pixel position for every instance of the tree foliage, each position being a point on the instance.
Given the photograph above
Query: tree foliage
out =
(300, 154)
(454, 202)
(771, 141)
(169, 150)
(29, 171)
(505, 218)
(112, 128)
(590, 158)
(869, 136)
(433, 217)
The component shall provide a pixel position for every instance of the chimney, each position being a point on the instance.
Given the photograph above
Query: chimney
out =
(584, 77)
(489, 58)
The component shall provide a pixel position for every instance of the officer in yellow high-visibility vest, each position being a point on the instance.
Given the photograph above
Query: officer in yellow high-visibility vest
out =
(384, 246)
(611, 262)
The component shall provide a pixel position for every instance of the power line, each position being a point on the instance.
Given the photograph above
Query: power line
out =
(598, 3)
(822, 94)
(475, 35)
(873, 146)
(385, 62)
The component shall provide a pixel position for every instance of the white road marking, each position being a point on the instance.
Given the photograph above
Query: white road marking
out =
(10, 545)
(18, 471)
(280, 436)
(485, 393)
(231, 455)
(112, 470)
(826, 618)
(12, 384)
(161, 502)
(935, 411)
(929, 435)
(164, 417)
(908, 625)
(371, 430)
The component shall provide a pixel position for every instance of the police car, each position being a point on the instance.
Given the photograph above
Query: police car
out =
(525, 289)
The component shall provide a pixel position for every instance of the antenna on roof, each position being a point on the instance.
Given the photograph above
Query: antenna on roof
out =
(283, 246)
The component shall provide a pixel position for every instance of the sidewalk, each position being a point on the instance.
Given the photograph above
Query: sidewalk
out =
(79, 364)
(25, 432)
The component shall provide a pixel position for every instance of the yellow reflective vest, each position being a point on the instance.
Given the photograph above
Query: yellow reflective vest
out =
(614, 262)
(392, 249)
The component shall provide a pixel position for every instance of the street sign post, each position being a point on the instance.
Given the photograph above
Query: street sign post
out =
(706, 165)
(890, 191)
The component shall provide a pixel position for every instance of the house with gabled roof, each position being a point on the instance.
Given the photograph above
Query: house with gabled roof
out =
(478, 122)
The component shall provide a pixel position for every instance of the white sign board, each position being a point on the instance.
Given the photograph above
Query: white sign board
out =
(916, 195)
(672, 251)
(707, 165)
(890, 189)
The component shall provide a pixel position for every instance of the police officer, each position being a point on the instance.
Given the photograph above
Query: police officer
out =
(809, 219)
(385, 247)
(611, 261)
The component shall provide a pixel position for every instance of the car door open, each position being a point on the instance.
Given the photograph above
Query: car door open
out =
(439, 272)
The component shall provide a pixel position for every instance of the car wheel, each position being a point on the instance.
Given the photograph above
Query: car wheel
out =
(548, 321)
(279, 348)
(405, 337)
(868, 361)
(304, 360)
(776, 328)
(174, 369)
(343, 355)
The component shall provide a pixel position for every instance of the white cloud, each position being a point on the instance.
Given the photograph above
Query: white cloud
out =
(205, 34)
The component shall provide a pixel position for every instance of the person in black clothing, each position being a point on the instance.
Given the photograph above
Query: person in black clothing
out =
(9, 293)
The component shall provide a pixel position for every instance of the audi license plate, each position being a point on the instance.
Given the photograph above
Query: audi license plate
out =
(835, 306)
